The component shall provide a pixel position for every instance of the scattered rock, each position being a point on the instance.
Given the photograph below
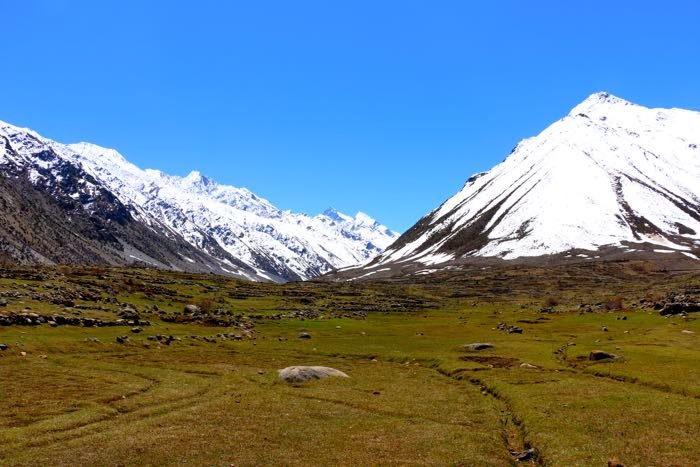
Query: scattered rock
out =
(128, 312)
(192, 309)
(92, 339)
(529, 366)
(524, 456)
(614, 462)
(596, 355)
(304, 335)
(678, 307)
(509, 328)
(136, 330)
(3, 346)
(477, 346)
(122, 339)
(300, 374)
(24, 354)
(604, 328)
(685, 331)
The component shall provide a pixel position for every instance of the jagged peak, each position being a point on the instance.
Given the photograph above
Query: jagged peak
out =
(94, 151)
(598, 100)
(363, 218)
(336, 215)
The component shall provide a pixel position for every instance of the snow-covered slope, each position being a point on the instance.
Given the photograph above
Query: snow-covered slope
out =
(610, 174)
(224, 219)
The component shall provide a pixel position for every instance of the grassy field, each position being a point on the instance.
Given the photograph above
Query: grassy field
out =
(73, 395)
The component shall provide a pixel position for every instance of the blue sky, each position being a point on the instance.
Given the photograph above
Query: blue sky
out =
(381, 106)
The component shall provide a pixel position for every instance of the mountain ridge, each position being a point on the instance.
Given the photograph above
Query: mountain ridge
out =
(609, 175)
(241, 233)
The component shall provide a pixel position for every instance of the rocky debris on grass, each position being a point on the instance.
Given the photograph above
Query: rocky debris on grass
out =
(686, 331)
(679, 308)
(304, 335)
(509, 329)
(218, 317)
(528, 366)
(596, 355)
(300, 374)
(676, 303)
(92, 339)
(3, 347)
(122, 339)
(136, 330)
(35, 319)
(604, 328)
(476, 346)
(167, 340)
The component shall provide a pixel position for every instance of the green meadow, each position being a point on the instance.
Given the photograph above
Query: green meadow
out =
(201, 388)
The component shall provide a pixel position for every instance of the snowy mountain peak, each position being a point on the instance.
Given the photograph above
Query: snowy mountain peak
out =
(94, 151)
(363, 218)
(611, 175)
(336, 215)
(599, 102)
(197, 181)
(223, 228)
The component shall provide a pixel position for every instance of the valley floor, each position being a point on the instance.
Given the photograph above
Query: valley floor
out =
(199, 386)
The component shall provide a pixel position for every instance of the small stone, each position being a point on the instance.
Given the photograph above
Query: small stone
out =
(604, 328)
(685, 331)
(529, 366)
(191, 309)
(24, 354)
(3, 346)
(614, 462)
(596, 355)
(304, 335)
(122, 339)
(476, 346)
(136, 330)
(52, 323)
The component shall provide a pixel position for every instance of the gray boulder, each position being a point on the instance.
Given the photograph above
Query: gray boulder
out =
(300, 374)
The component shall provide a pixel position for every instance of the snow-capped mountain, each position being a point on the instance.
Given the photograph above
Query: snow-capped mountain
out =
(609, 176)
(239, 232)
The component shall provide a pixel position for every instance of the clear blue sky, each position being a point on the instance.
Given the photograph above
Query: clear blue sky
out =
(381, 106)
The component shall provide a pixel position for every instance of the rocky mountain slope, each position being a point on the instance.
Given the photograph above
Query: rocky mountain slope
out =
(610, 178)
(100, 208)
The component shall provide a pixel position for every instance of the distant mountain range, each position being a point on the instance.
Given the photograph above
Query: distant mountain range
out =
(84, 204)
(609, 180)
